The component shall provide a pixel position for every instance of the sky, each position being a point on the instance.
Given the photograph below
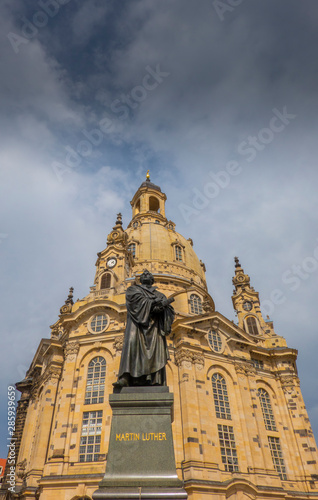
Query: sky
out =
(217, 98)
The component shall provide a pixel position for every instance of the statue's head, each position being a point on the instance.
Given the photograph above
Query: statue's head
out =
(146, 278)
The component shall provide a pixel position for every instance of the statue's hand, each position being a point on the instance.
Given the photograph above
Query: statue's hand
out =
(166, 302)
(158, 307)
(159, 304)
(157, 301)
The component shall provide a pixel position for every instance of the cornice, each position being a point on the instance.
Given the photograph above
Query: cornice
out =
(94, 305)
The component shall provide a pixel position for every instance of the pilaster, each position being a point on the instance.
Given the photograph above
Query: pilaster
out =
(58, 453)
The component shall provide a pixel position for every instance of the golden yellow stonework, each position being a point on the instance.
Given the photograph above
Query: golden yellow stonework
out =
(240, 428)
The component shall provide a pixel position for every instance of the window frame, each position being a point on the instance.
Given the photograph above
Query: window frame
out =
(178, 253)
(215, 339)
(89, 447)
(197, 306)
(257, 363)
(220, 397)
(277, 456)
(228, 448)
(254, 327)
(90, 328)
(92, 381)
(108, 276)
(133, 253)
(267, 409)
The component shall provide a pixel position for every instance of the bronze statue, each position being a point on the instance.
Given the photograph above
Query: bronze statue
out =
(149, 319)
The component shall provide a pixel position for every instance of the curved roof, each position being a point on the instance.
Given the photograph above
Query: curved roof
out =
(150, 184)
(155, 242)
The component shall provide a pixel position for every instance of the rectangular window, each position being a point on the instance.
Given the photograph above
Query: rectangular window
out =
(258, 363)
(277, 456)
(91, 436)
(178, 251)
(132, 249)
(228, 448)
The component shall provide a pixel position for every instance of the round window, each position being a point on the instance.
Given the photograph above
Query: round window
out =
(247, 305)
(98, 323)
(215, 341)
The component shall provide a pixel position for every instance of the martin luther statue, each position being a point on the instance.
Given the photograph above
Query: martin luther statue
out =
(149, 319)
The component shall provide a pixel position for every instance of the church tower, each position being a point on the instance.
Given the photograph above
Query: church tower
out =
(240, 426)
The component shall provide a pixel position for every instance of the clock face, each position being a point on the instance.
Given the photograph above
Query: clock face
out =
(247, 306)
(111, 262)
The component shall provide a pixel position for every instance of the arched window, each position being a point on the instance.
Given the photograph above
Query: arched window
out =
(221, 398)
(132, 249)
(178, 253)
(95, 386)
(105, 281)
(154, 204)
(252, 325)
(137, 207)
(267, 411)
(195, 304)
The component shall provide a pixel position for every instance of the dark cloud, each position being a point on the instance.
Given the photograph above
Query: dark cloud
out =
(222, 80)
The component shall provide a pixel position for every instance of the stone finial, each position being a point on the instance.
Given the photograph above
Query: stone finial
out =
(69, 299)
(119, 220)
(67, 308)
(237, 262)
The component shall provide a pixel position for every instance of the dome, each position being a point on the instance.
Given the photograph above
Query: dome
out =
(151, 242)
(166, 252)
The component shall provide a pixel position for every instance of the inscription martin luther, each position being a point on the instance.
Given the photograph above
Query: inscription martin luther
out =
(144, 436)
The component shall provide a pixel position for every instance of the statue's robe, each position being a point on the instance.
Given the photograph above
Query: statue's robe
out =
(145, 352)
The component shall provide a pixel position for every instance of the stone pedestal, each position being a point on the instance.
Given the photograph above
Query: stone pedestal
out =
(140, 459)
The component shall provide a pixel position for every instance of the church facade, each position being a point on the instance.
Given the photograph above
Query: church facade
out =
(240, 426)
